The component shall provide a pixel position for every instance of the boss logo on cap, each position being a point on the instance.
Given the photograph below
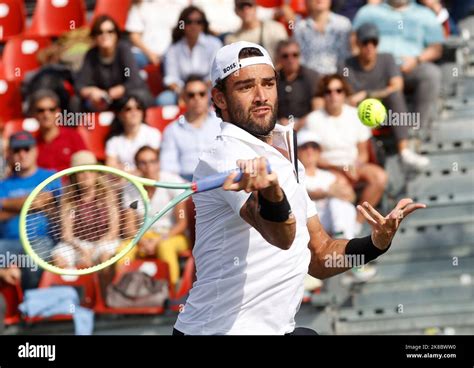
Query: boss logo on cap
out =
(230, 67)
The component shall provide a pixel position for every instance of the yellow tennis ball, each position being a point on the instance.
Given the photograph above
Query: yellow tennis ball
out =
(372, 112)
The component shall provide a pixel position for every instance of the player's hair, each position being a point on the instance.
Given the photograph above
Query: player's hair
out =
(245, 53)
(324, 83)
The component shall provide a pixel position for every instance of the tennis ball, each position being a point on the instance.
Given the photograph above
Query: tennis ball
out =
(372, 112)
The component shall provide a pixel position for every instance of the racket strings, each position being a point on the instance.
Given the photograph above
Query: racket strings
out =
(98, 226)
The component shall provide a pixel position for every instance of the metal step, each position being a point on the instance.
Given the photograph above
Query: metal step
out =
(427, 253)
(443, 214)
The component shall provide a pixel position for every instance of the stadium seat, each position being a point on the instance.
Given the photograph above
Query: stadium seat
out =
(117, 9)
(159, 117)
(29, 124)
(13, 296)
(299, 6)
(161, 273)
(94, 135)
(154, 78)
(269, 3)
(10, 102)
(12, 18)
(52, 18)
(20, 56)
(85, 284)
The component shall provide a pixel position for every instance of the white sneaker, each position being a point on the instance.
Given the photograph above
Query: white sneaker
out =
(412, 158)
(359, 275)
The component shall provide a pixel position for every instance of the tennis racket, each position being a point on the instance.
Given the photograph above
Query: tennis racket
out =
(86, 218)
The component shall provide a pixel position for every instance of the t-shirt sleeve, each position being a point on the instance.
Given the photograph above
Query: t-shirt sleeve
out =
(363, 133)
(134, 21)
(392, 69)
(310, 205)
(112, 147)
(433, 32)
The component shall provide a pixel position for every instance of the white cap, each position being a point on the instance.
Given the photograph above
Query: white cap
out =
(227, 60)
(306, 136)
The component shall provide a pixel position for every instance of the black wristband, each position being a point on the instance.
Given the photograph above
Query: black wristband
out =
(274, 211)
(364, 247)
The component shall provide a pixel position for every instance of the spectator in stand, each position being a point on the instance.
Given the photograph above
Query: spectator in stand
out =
(184, 139)
(9, 276)
(149, 24)
(323, 37)
(24, 176)
(192, 52)
(349, 8)
(221, 15)
(416, 47)
(297, 85)
(265, 33)
(442, 14)
(375, 75)
(109, 70)
(345, 142)
(166, 238)
(91, 237)
(56, 143)
(129, 133)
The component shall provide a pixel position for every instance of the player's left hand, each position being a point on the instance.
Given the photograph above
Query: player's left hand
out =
(385, 228)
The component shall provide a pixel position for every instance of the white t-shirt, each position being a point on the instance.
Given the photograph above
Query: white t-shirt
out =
(155, 19)
(244, 284)
(124, 149)
(220, 14)
(339, 135)
(321, 181)
(160, 199)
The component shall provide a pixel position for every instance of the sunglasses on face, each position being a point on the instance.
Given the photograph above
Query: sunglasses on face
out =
(105, 31)
(132, 108)
(290, 54)
(328, 91)
(242, 6)
(191, 95)
(374, 42)
(18, 150)
(198, 22)
(41, 110)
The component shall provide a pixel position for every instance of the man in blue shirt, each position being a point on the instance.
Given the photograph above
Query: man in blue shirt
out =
(24, 177)
(187, 137)
(412, 34)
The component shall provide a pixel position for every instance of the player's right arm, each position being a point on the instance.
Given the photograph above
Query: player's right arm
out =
(264, 188)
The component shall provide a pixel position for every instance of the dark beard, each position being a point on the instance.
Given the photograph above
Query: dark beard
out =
(244, 121)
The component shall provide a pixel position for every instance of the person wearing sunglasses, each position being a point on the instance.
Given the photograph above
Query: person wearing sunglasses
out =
(345, 142)
(191, 52)
(297, 87)
(57, 141)
(376, 75)
(187, 137)
(109, 70)
(266, 33)
(128, 133)
(24, 175)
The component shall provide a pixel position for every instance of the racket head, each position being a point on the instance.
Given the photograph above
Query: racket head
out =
(45, 215)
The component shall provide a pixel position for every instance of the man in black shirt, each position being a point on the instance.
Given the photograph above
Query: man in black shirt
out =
(297, 85)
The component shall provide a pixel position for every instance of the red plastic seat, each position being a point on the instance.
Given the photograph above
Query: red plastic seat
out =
(269, 3)
(13, 297)
(12, 18)
(95, 135)
(52, 18)
(116, 9)
(159, 117)
(85, 283)
(154, 79)
(299, 6)
(20, 56)
(13, 126)
(10, 102)
(162, 273)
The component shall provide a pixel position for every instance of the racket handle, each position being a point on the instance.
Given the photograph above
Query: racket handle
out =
(217, 180)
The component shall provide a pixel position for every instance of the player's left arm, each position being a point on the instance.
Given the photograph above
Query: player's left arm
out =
(325, 251)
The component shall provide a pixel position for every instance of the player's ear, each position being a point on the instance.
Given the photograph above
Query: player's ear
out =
(218, 98)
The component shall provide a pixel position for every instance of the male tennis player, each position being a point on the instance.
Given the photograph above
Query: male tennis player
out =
(257, 239)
